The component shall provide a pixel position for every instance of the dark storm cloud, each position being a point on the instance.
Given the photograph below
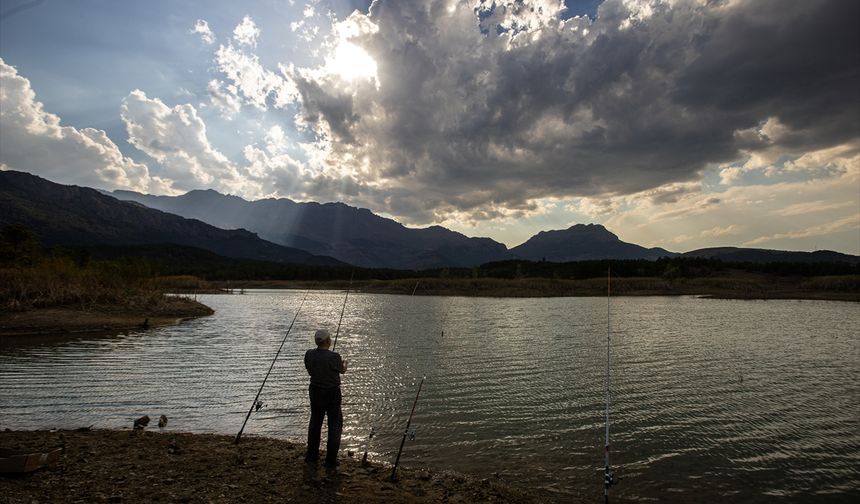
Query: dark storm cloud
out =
(795, 60)
(488, 110)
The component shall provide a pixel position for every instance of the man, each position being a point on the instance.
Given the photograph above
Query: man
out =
(325, 368)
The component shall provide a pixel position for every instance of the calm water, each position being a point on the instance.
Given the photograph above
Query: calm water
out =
(744, 400)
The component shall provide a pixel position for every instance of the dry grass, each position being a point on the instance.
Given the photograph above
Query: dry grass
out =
(59, 281)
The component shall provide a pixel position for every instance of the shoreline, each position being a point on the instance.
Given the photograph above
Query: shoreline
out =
(745, 288)
(152, 466)
(76, 321)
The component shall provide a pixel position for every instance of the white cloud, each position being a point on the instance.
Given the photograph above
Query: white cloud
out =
(176, 138)
(202, 27)
(34, 141)
(246, 32)
(224, 98)
(253, 82)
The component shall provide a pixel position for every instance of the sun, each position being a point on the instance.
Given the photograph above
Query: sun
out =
(351, 63)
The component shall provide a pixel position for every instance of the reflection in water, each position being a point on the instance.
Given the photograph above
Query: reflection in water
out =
(749, 399)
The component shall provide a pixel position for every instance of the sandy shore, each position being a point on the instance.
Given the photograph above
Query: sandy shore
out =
(152, 466)
(98, 319)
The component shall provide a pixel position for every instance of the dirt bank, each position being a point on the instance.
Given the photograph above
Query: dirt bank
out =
(150, 466)
(95, 319)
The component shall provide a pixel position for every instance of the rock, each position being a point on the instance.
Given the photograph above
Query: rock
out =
(423, 475)
(162, 421)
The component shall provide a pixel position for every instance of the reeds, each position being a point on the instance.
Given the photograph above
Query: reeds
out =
(59, 281)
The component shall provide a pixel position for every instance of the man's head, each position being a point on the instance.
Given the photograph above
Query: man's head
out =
(322, 338)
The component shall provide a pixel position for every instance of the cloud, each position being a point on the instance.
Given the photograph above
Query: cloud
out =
(810, 207)
(246, 32)
(496, 105)
(176, 139)
(729, 230)
(224, 98)
(34, 141)
(799, 214)
(849, 223)
(201, 27)
(251, 81)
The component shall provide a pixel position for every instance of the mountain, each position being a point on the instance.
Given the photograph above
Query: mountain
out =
(735, 254)
(583, 242)
(353, 235)
(79, 216)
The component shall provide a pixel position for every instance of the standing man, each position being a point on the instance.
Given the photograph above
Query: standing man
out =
(325, 368)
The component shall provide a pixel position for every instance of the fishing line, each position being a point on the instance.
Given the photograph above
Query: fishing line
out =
(372, 431)
(608, 476)
(342, 309)
(406, 432)
(256, 403)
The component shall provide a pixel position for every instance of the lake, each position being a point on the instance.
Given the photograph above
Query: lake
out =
(718, 399)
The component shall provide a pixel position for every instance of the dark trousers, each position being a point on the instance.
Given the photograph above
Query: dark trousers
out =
(324, 402)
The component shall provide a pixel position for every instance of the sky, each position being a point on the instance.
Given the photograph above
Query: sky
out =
(681, 124)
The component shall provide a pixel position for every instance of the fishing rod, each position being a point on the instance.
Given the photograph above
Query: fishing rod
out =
(342, 308)
(608, 476)
(257, 404)
(406, 432)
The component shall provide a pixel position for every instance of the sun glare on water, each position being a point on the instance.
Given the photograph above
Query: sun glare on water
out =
(351, 63)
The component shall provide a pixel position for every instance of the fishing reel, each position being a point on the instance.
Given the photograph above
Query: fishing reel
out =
(609, 478)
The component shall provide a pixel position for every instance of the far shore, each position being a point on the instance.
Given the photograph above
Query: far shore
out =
(745, 286)
(152, 466)
(77, 320)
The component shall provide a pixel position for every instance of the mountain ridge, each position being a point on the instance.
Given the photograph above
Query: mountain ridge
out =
(70, 215)
(308, 232)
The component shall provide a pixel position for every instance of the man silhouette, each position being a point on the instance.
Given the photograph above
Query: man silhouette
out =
(324, 368)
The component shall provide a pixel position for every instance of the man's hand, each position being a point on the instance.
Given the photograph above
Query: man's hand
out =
(343, 366)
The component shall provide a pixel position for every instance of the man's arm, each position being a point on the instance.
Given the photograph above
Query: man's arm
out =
(343, 365)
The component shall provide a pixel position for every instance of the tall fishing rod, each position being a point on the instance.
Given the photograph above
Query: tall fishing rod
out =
(414, 403)
(608, 476)
(342, 308)
(257, 404)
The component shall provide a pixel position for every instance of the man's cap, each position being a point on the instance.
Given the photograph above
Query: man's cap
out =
(321, 335)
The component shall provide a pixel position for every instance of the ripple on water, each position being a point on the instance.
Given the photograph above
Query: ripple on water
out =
(728, 399)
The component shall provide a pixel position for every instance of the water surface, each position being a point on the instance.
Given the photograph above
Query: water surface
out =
(739, 400)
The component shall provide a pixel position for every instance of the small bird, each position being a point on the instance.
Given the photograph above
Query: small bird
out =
(162, 422)
(141, 422)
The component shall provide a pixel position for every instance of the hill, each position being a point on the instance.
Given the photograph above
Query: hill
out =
(752, 255)
(79, 216)
(350, 234)
(583, 242)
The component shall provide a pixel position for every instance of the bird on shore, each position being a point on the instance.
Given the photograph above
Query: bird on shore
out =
(162, 422)
(141, 422)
